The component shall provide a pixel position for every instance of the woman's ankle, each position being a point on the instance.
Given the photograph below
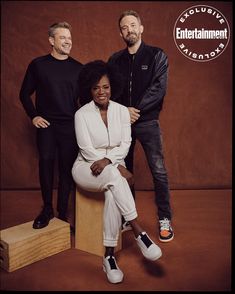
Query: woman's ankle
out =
(109, 251)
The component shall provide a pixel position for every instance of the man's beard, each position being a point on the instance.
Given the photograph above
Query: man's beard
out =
(131, 39)
(61, 51)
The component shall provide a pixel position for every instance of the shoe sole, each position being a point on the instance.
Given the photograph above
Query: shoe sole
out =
(166, 240)
(112, 282)
(39, 227)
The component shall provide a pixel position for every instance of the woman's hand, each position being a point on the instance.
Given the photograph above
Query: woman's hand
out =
(98, 166)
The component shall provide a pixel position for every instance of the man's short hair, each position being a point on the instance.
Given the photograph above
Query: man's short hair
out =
(129, 12)
(54, 26)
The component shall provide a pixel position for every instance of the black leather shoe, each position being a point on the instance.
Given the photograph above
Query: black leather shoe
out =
(43, 219)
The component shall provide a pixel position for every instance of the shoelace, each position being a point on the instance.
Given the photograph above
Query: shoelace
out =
(165, 224)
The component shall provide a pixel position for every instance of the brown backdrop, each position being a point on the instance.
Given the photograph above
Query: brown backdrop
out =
(197, 117)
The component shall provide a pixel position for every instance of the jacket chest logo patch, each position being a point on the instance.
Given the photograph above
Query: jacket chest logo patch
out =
(144, 67)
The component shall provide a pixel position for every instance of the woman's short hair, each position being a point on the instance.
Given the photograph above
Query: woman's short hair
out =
(91, 74)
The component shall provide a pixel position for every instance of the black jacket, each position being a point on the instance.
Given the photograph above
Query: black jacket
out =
(145, 79)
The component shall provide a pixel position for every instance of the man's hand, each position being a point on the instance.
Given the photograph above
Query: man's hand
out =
(134, 114)
(98, 166)
(40, 122)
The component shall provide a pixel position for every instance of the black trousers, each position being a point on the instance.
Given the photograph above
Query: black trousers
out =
(57, 139)
(149, 135)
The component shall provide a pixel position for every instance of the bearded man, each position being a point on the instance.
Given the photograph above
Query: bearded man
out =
(144, 69)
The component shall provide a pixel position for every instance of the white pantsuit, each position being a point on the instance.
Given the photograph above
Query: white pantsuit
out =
(97, 141)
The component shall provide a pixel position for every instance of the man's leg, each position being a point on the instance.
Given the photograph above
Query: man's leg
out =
(47, 149)
(129, 160)
(149, 135)
(67, 153)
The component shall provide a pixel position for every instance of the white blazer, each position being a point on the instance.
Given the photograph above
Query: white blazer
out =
(97, 141)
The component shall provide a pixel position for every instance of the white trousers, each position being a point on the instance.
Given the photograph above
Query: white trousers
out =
(118, 197)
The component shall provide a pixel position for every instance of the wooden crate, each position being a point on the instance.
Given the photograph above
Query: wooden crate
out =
(89, 222)
(22, 245)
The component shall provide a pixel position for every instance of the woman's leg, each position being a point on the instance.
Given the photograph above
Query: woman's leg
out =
(111, 217)
(111, 221)
(118, 197)
(122, 200)
(118, 201)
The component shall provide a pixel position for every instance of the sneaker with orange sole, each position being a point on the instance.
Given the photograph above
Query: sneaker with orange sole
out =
(166, 233)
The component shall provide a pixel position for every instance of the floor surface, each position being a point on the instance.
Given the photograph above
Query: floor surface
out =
(198, 259)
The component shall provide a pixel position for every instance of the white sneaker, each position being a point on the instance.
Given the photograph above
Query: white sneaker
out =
(148, 248)
(113, 272)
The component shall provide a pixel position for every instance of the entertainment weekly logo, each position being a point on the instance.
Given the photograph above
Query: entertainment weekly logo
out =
(201, 33)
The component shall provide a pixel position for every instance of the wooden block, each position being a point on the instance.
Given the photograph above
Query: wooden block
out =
(22, 245)
(89, 222)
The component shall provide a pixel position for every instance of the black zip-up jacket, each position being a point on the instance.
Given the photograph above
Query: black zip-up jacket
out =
(145, 79)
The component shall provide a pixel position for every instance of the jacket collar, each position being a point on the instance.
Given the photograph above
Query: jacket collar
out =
(95, 107)
(142, 45)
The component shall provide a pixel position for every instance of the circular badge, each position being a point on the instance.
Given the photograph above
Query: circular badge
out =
(201, 33)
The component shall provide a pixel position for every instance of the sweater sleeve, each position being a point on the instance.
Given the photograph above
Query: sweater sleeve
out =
(153, 96)
(27, 89)
(118, 154)
(84, 141)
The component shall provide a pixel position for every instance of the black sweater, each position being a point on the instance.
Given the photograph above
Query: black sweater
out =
(145, 78)
(55, 83)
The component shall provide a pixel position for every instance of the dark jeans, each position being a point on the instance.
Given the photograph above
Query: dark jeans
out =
(149, 135)
(58, 138)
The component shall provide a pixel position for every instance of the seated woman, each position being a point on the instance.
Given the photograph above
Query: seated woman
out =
(103, 134)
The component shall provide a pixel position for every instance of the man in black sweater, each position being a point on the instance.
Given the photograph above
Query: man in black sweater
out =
(54, 79)
(144, 69)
